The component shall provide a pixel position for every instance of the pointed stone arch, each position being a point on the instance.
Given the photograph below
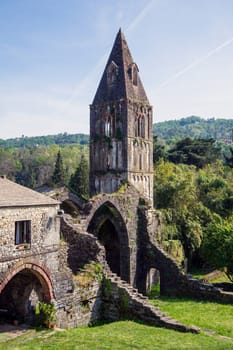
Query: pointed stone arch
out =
(108, 225)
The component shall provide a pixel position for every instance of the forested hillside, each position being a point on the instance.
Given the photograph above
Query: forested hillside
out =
(192, 127)
(193, 181)
(195, 127)
(59, 139)
(35, 166)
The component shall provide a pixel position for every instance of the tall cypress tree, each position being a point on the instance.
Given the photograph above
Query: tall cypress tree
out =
(58, 177)
(79, 181)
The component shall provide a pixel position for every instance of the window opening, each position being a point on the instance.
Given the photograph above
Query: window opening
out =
(22, 232)
(107, 127)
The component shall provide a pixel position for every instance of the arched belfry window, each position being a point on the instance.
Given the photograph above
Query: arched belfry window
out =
(112, 73)
(143, 127)
(107, 130)
(133, 73)
(136, 126)
(140, 126)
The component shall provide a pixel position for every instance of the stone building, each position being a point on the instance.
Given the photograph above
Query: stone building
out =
(121, 142)
(29, 241)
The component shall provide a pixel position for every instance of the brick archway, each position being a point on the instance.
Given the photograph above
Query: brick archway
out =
(37, 269)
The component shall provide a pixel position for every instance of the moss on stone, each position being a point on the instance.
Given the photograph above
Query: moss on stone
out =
(175, 249)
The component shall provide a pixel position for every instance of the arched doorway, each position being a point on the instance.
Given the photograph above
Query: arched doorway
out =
(108, 236)
(20, 295)
(153, 282)
(109, 227)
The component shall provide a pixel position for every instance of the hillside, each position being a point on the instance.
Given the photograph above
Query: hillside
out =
(195, 127)
(59, 139)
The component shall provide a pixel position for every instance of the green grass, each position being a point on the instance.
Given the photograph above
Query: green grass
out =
(121, 335)
(207, 315)
(125, 335)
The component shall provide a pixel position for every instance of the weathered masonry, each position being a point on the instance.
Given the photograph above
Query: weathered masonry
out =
(29, 241)
(121, 143)
(91, 266)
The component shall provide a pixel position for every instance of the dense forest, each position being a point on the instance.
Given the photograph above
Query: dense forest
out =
(192, 127)
(35, 166)
(196, 128)
(35, 141)
(193, 182)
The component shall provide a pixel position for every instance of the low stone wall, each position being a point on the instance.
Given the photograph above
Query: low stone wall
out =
(82, 302)
(173, 281)
(192, 287)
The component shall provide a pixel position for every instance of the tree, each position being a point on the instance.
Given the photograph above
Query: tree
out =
(217, 244)
(79, 181)
(175, 194)
(229, 160)
(194, 152)
(58, 177)
(158, 149)
(215, 188)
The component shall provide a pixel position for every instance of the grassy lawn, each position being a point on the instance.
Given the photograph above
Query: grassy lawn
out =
(124, 335)
(206, 315)
(121, 335)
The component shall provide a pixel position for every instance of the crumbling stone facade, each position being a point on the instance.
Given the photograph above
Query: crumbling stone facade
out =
(92, 266)
(121, 142)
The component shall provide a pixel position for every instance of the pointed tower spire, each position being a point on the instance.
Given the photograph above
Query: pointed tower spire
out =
(121, 145)
(120, 78)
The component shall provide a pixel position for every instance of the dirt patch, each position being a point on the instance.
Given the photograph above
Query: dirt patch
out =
(9, 331)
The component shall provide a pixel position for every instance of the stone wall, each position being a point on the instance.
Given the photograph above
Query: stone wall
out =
(80, 258)
(44, 229)
(173, 281)
(42, 250)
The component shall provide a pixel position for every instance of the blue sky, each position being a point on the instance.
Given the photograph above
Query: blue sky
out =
(53, 53)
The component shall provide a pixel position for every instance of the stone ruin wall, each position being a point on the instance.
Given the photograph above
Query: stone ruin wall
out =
(45, 227)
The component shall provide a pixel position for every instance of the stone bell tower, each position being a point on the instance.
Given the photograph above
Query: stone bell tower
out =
(121, 142)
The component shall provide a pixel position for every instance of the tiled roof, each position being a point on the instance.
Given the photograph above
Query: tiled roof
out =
(124, 88)
(14, 195)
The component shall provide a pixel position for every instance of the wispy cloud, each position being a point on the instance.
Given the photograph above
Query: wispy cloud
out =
(196, 62)
(141, 15)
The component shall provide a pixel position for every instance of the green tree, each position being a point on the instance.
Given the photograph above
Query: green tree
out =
(215, 188)
(217, 244)
(158, 149)
(194, 152)
(58, 177)
(79, 181)
(176, 195)
(229, 159)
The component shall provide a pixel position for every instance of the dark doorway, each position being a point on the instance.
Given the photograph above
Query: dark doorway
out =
(19, 297)
(153, 283)
(108, 236)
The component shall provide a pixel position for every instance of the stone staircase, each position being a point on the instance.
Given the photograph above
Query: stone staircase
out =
(137, 306)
